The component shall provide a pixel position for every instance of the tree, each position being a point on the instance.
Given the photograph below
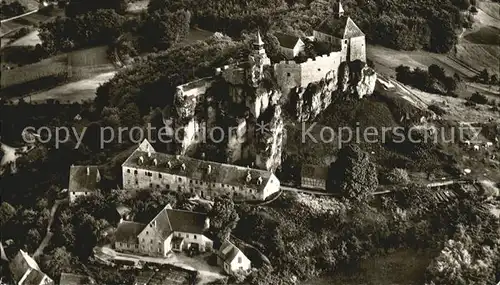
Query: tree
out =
(494, 79)
(56, 262)
(484, 76)
(223, 218)
(397, 176)
(355, 175)
(162, 29)
(6, 213)
(78, 7)
(436, 71)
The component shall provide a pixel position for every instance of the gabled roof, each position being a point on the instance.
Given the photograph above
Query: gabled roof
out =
(84, 178)
(287, 41)
(75, 279)
(228, 251)
(227, 174)
(342, 28)
(186, 221)
(160, 225)
(128, 231)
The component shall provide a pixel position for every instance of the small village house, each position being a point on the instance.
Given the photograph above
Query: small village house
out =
(290, 45)
(83, 181)
(232, 259)
(25, 271)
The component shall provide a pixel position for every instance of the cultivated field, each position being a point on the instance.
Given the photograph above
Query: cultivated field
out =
(30, 20)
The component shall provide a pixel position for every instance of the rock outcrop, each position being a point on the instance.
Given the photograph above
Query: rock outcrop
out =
(366, 84)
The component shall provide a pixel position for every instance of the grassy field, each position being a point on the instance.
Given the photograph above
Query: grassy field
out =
(488, 35)
(30, 20)
(404, 267)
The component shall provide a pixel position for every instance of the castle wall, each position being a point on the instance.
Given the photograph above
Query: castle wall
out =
(315, 70)
(358, 49)
(190, 94)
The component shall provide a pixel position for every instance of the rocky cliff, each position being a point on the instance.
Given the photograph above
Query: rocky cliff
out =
(351, 80)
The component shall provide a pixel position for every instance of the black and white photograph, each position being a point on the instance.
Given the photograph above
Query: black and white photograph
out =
(250, 142)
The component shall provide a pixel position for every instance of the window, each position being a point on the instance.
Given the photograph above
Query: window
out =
(136, 181)
(288, 74)
(142, 240)
(190, 181)
(180, 179)
(233, 187)
(135, 171)
(157, 186)
(128, 170)
(86, 193)
(151, 241)
(167, 186)
(159, 175)
(194, 236)
(179, 188)
(147, 232)
(319, 69)
(150, 185)
(239, 259)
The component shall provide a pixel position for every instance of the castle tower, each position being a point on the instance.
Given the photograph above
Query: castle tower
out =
(338, 10)
(257, 59)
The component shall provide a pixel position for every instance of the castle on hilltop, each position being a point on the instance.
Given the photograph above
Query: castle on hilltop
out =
(338, 30)
(258, 90)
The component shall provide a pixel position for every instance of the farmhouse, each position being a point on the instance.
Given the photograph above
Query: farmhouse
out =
(290, 46)
(232, 259)
(147, 169)
(25, 271)
(83, 181)
(169, 230)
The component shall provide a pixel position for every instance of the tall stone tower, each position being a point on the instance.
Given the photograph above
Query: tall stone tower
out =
(257, 59)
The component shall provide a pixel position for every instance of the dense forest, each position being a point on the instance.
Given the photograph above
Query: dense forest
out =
(428, 24)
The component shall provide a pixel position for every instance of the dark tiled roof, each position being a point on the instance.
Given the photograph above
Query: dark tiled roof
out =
(186, 221)
(342, 28)
(287, 41)
(228, 251)
(80, 181)
(314, 171)
(75, 279)
(197, 169)
(128, 231)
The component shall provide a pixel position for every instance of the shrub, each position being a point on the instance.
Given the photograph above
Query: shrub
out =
(478, 98)
(396, 176)
(436, 109)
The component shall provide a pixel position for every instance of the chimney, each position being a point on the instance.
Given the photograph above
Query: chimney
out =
(183, 166)
(259, 180)
(141, 160)
(169, 164)
(206, 226)
(249, 177)
(88, 171)
(209, 169)
(155, 162)
(149, 153)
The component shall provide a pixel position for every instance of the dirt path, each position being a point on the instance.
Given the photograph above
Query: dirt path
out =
(49, 234)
